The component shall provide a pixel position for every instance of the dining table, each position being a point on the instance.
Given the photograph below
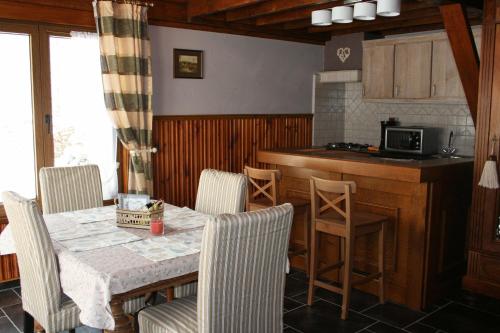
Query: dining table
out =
(101, 265)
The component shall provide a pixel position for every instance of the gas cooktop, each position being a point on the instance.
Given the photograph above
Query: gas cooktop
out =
(348, 146)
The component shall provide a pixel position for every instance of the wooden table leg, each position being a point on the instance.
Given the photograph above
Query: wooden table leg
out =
(122, 322)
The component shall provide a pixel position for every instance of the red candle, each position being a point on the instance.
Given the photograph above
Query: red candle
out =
(157, 228)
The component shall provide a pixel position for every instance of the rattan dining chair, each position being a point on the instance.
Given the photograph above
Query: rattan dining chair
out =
(40, 286)
(71, 188)
(241, 278)
(219, 192)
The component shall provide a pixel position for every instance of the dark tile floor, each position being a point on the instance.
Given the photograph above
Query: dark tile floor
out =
(460, 313)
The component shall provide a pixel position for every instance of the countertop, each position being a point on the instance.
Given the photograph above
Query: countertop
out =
(365, 164)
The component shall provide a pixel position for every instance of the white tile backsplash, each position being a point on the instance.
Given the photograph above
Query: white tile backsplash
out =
(342, 115)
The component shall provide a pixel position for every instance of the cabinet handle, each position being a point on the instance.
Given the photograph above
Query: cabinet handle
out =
(396, 91)
(363, 91)
(433, 91)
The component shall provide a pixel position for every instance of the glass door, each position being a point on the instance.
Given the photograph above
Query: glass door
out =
(20, 120)
(52, 110)
(82, 132)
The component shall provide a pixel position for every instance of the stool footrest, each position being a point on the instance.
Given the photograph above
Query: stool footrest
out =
(366, 279)
(327, 286)
(330, 267)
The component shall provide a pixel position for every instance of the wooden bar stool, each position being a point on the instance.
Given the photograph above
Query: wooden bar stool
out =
(263, 192)
(336, 218)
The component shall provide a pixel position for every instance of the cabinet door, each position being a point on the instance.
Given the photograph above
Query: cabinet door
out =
(445, 79)
(412, 70)
(378, 71)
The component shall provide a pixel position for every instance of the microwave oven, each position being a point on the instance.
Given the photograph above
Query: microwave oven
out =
(411, 139)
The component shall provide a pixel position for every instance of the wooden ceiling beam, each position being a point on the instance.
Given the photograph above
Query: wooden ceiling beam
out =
(251, 30)
(305, 13)
(274, 7)
(423, 22)
(464, 52)
(198, 8)
(296, 25)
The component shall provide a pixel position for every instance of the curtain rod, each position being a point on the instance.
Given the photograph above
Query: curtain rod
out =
(133, 2)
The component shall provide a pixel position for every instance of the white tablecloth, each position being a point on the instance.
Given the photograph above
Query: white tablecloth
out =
(90, 278)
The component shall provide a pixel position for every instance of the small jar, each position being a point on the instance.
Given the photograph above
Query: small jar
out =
(157, 228)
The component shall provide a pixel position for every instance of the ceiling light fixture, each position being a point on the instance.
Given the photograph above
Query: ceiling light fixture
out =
(388, 8)
(321, 17)
(342, 14)
(365, 11)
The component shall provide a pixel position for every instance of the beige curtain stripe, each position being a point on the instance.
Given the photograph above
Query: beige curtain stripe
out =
(121, 10)
(128, 84)
(128, 120)
(125, 47)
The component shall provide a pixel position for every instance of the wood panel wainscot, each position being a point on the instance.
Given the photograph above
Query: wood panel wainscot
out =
(188, 144)
(8, 264)
(427, 203)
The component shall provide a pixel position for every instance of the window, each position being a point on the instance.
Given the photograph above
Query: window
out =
(81, 129)
(18, 167)
(52, 109)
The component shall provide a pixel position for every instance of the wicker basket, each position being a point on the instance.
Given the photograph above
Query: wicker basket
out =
(137, 219)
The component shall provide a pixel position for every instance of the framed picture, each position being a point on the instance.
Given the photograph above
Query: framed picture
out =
(188, 64)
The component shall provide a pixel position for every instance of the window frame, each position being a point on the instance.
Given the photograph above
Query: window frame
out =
(39, 126)
(42, 96)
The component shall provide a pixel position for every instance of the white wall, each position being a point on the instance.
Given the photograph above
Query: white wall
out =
(242, 75)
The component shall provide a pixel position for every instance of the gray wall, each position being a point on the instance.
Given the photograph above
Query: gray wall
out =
(242, 75)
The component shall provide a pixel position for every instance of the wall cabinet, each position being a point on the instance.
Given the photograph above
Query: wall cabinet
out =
(378, 71)
(445, 79)
(412, 68)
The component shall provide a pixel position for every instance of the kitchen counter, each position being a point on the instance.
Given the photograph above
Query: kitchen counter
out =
(426, 202)
(364, 164)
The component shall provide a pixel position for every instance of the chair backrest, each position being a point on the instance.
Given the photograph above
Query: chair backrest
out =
(267, 191)
(40, 286)
(70, 188)
(242, 267)
(341, 204)
(221, 192)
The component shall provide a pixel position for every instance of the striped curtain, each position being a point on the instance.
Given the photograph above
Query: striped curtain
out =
(127, 81)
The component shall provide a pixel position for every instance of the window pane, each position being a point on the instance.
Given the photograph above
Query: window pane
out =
(82, 130)
(17, 168)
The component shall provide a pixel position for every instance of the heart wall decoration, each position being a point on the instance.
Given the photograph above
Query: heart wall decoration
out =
(343, 53)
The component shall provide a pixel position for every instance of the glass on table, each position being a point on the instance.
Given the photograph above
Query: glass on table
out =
(157, 227)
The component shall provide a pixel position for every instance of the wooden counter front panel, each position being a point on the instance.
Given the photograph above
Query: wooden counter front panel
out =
(414, 277)
(189, 144)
